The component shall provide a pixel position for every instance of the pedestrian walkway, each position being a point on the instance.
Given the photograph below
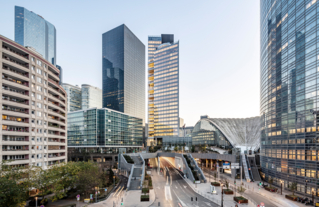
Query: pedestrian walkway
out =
(128, 199)
(252, 189)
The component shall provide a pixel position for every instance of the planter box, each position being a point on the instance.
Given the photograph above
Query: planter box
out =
(271, 189)
(215, 184)
(240, 200)
(291, 197)
(145, 198)
(228, 192)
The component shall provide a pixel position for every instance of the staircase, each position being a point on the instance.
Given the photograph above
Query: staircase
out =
(137, 173)
(254, 168)
(197, 169)
(245, 167)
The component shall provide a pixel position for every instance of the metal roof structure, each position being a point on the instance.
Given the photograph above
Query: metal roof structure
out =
(239, 132)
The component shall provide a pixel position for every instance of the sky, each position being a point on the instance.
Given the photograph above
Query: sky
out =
(219, 46)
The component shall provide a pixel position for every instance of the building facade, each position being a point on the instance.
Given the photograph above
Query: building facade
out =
(227, 133)
(163, 87)
(123, 60)
(33, 108)
(74, 96)
(34, 31)
(288, 88)
(105, 129)
(61, 73)
(91, 97)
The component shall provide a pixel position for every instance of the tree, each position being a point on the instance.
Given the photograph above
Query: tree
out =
(270, 181)
(241, 189)
(293, 187)
(13, 192)
(89, 177)
(111, 174)
(215, 175)
(176, 149)
(193, 148)
(226, 183)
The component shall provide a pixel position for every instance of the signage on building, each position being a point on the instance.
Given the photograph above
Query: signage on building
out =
(226, 165)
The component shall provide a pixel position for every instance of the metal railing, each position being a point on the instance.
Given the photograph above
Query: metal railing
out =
(143, 171)
(198, 168)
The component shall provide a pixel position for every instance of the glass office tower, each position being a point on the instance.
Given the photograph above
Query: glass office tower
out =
(74, 95)
(104, 128)
(163, 87)
(91, 97)
(123, 60)
(288, 87)
(34, 31)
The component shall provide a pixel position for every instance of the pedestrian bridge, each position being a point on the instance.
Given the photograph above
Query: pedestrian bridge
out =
(186, 163)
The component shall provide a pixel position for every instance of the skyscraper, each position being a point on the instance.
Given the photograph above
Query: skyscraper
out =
(123, 72)
(74, 96)
(34, 31)
(288, 88)
(163, 87)
(91, 97)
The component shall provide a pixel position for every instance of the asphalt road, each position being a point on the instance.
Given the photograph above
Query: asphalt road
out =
(172, 191)
(252, 195)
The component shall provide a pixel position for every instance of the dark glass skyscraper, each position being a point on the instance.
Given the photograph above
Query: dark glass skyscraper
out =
(123, 60)
(288, 88)
(34, 31)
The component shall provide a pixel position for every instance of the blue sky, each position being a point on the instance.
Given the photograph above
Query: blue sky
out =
(219, 45)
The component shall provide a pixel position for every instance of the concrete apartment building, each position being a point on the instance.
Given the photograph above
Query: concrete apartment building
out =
(34, 115)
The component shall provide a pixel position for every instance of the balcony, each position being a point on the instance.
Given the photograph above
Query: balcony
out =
(16, 100)
(11, 70)
(26, 56)
(15, 148)
(9, 89)
(8, 108)
(12, 60)
(14, 129)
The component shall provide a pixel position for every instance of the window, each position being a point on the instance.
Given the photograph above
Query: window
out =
(32, 112)
(45, 82)
(39, 105)
(39, 62)
(39, 139)
(39, 79)
(32, 94)
(39, 71)
(39, 113)
(32, 103)
(39, 122)
(32, 85)
(33, 60)
(39, 88)
(45, 90)
(39, 96)
(33, 77)
(44, 74)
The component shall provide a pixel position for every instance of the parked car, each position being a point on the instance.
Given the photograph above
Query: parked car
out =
(317, 204)
(299, 199)
(309, 203)
(304, 200)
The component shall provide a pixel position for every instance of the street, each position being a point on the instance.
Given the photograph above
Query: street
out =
(172, 191)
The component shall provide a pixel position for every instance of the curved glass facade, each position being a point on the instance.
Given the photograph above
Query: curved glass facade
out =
(288, 89)
(206, 133)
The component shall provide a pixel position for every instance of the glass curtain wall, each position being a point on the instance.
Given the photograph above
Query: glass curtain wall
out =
(289, 75)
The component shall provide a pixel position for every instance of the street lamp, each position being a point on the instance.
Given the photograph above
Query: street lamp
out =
(36, 201)
(95, 194)
(222, 204)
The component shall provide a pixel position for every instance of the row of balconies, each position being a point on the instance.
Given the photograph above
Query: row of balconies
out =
(14, 60)
(7, 68)
(14, 128)
(14, 80)
(17, 100)
(11, 89)
(6, 138)
(26, 56)
(14, 109)
(15, 147)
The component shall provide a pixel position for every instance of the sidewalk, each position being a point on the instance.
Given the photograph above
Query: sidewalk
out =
(130, 199)
(276, 198)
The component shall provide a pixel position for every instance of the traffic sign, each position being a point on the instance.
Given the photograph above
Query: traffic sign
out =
(78, 196)
(105, 189)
